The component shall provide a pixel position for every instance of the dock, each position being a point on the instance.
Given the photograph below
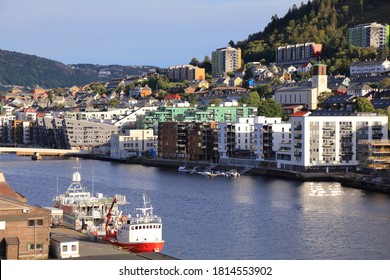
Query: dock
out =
(102, 250)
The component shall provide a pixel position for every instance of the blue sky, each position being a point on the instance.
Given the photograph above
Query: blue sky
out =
(130, 32)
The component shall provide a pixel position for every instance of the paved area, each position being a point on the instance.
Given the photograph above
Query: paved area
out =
(101, 250)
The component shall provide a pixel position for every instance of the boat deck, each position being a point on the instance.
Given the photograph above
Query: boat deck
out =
(101, 250)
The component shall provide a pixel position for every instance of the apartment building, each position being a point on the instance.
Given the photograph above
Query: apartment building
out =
(370, 67)
(187, 140)
(326, 141)
(297, 54)
(225, 60)
(192, 114)
(369, 35)
(253, 137)
(86, 134)
(186, 72)
(135, 142)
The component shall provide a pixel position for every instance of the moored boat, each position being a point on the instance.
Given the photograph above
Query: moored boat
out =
(142, 233)
(81, 210)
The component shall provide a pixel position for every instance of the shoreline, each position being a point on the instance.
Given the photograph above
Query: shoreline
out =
(351, 180)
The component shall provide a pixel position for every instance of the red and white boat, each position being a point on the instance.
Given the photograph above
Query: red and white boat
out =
(139, 234)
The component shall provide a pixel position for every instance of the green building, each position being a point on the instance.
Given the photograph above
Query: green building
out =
(370, 35)
(190, 114)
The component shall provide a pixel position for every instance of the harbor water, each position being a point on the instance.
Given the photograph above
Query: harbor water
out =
(250, 217)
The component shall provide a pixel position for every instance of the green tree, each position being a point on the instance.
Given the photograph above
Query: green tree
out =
(269, 108)
(254, 99)
(363, 105)
(385, 83)
(113, 103)
(216, 102)
(194, 61)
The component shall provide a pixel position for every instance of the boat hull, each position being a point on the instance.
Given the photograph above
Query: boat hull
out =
(145, 247)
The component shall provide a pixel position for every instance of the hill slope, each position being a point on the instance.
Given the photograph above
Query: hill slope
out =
(30, 70)
(320, 21)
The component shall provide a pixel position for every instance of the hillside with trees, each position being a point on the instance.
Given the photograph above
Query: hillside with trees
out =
(319, 21)
(29, 70)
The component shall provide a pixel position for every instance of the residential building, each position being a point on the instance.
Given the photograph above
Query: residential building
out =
(199, 114)
(86, 134)
(306, 96)
(326, 141)
(370, 67)
(375, 154)
(249, 138)
(187, 140)
(186, 72)
(225, 60)
(24, 228)
(358, 89)
(297, 54)
(369, 35)
(135, 142)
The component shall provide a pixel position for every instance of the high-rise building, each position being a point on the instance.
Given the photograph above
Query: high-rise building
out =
(225, 60)
(297, 54)
(186, 72)
(369, 35)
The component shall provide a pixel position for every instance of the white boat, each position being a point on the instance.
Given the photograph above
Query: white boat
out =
(81, 210)
(232, 173)
(184, 169)
(142, 233)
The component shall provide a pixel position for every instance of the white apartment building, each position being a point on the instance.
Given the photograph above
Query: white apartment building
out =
(241, 136)
(328, 141)
(110, 115)
(271, 136)
(133, 143)
(371, 67)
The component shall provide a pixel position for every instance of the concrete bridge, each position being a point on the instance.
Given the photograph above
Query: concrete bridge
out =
(37, 153)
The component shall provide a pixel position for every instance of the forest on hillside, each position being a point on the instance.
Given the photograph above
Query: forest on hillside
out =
(319, 21)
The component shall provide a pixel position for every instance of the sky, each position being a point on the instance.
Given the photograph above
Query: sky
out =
(131, 32)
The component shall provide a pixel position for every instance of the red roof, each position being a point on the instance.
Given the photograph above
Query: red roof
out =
(299, 114)
(173, 96)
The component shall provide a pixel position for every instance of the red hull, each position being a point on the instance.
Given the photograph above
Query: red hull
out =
(146, 247)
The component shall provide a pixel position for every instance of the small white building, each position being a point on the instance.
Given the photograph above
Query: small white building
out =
(133, 143)
(63, 247)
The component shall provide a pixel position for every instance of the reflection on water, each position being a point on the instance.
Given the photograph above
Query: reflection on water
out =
(325, 188)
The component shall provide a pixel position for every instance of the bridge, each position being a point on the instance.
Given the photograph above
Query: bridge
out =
(37, 153)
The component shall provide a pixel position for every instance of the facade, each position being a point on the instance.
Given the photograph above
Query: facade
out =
(187, 140)
(297, 54)
(134, 143)
(328, 141)
(24, 229)
(374, 67)
(251, 138)
(369, 35)
(375, 154)
(190, 114)
(225, 60)
(186, 72)
(87, 134)
(306, 96)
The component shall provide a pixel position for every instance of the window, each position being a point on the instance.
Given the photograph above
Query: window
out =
(31, 223)
(65, 248)
(74, 248)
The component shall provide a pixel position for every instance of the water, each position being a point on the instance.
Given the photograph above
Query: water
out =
(250, 217)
